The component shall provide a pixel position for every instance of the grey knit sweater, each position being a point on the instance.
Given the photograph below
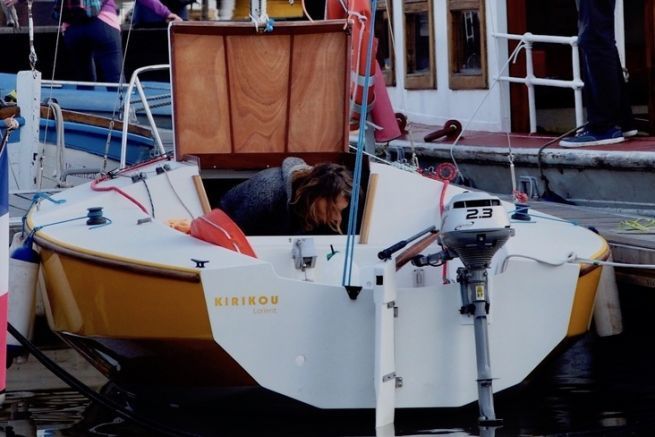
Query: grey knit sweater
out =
(260, 205)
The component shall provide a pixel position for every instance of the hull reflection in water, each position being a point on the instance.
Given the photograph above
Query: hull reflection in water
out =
(595, 387)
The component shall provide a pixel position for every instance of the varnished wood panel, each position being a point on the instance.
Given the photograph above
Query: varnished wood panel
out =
(243, 98)
(317, 93)
(200, 94)
(259, 79)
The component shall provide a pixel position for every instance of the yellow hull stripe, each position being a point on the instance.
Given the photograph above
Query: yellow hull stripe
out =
(88, 299)
(585, 294)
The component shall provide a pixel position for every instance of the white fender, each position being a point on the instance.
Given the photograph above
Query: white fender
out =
(22, 290)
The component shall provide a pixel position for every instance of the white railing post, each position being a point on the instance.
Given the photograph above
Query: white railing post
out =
(151, 120)
(578, 84)
(134, 81)
(529, 70)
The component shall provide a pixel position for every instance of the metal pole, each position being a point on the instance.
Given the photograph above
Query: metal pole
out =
(529, 68)
(204, 11)
(577, 80)
(475, 280)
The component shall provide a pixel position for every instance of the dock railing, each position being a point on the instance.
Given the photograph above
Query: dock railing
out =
(530, 80)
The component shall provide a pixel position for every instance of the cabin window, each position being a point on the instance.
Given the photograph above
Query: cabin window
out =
(385, 54)
(419, 45)
(467, 44)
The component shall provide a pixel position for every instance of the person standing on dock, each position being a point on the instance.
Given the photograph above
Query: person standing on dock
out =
(92, 39)
(155, 13)
(605, 91)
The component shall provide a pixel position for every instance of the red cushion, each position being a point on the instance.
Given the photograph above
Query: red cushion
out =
(217, 228)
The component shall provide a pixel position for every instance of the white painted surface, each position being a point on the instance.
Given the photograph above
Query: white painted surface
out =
(309, 340)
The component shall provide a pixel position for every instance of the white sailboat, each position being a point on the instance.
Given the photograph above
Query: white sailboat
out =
(160, 311)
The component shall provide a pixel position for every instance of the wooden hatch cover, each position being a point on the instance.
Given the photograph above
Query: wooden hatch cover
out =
(244, 99)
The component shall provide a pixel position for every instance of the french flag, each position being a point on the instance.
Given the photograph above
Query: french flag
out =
(4, 258)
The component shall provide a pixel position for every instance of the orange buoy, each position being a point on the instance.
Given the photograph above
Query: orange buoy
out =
(359, 11)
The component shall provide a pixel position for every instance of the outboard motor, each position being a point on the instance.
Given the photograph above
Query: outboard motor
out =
(474, 227)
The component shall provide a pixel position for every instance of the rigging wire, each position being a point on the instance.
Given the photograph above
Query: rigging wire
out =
(354, 201)
(119, 99)
(91, 394)
(511, 58)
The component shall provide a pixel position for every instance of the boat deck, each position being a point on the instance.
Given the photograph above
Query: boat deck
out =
(628, 246)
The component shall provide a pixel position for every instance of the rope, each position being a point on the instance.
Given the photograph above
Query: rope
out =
(51, 89)
(95, 187)
(32, 56)
(638, 225)
(362, 20)
(119, 100)
(354, 203)
(60, 143)
(572, 258)
(152, 205)
(92, 395)
(304, 9)
(179, 198)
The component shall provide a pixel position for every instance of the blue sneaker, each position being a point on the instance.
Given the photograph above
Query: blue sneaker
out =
(588, 138)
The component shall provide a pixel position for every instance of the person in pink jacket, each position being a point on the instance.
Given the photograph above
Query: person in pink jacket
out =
(94, 44)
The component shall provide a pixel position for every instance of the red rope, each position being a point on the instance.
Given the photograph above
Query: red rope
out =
(95, 187)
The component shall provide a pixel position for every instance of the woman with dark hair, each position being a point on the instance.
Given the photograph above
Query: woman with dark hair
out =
(292, 199)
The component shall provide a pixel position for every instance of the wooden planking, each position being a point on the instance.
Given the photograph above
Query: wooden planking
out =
(200, 94)
(247, 97)
(318, 92)
(259, 80)
(95, 120)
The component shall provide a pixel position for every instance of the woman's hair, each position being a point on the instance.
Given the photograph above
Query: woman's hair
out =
(323, 181)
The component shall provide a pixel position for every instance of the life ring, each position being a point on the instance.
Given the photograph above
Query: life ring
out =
(217, 228)
(359, 11)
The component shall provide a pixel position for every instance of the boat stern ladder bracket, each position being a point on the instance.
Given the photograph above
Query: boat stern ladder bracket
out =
(386, 381)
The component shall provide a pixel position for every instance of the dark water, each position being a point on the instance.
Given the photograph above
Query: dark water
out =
(593, 386)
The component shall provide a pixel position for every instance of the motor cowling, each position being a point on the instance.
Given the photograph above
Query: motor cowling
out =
(474, 227)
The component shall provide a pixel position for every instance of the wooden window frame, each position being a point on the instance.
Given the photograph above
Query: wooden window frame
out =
(427, 80)
(390, 73)
(458, 81)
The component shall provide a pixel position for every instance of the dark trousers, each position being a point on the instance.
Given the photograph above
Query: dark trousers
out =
(605, 91)
(94, 49)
